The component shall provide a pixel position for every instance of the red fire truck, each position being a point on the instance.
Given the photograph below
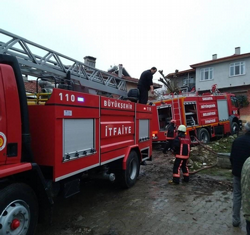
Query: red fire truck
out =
(206, 116)
(49, 140)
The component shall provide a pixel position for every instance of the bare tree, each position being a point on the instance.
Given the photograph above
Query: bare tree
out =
(171, 85)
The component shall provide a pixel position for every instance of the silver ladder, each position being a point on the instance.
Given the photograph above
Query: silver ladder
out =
(39, 61)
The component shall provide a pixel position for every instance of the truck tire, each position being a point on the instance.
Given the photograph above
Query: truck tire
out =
(131, 173)
(18, 210)
(204, 136)
(235, 128)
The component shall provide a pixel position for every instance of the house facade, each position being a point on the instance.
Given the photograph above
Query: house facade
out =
(229, 74)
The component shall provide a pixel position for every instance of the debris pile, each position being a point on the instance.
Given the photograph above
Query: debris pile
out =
(206, 155)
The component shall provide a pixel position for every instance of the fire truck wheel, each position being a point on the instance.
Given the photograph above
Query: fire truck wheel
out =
(204, 136)
(18, 210)
(132, 170)
(235, 128)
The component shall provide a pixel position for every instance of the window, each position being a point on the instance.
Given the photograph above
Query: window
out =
(165, 116)
(207, 74)
(237, 68)
(188, 81)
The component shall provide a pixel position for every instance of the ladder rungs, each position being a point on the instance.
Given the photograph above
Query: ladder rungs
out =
(36, 60)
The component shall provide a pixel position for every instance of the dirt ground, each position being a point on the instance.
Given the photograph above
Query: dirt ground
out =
(104, 208)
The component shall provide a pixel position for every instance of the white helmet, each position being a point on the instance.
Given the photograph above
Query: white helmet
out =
(182, 128)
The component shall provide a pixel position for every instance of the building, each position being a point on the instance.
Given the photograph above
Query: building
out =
(230, 74)
(183, 79)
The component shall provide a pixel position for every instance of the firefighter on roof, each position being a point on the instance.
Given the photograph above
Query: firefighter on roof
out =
(170, 135)
(181, 148)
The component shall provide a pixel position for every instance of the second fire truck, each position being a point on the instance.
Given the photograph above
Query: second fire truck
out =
(206, 116)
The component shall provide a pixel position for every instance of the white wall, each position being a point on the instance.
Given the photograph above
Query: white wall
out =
(221, 76)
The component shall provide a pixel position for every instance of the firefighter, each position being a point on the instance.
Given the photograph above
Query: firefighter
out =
(181, 148)
(170, 135)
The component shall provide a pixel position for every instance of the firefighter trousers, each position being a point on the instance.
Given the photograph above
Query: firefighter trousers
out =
(180, 164)
(168, 145)
(143, 97)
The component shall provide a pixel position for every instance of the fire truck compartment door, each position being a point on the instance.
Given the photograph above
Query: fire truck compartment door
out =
(222, 110)
(78, 137)
(143, 129)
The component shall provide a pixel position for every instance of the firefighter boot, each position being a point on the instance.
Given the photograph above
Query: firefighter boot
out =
(173, 182)
(185, 179)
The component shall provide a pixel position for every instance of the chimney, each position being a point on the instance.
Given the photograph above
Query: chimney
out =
(90, 61)
(120, 70)
(214, 56)
(237, 50)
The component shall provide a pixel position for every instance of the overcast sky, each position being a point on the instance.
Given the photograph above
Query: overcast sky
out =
(136, 33)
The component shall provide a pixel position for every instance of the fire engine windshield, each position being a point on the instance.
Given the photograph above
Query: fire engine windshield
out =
(234, 101)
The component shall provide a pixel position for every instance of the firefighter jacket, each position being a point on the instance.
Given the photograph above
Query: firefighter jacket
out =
(170, 131)
(181, 146)
(245, 186)
(240, 151)
(146, 80)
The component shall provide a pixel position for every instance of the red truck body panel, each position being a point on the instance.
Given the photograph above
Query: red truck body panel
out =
(11, 169)
(115, 127)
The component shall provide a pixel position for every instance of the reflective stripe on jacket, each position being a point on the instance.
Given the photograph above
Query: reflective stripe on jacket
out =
(184, 148)
(168, 137)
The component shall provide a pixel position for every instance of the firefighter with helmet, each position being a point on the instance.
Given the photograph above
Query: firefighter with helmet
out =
(170, 135)
(181, 148)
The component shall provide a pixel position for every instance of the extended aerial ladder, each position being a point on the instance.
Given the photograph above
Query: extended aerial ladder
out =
(38, 61)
